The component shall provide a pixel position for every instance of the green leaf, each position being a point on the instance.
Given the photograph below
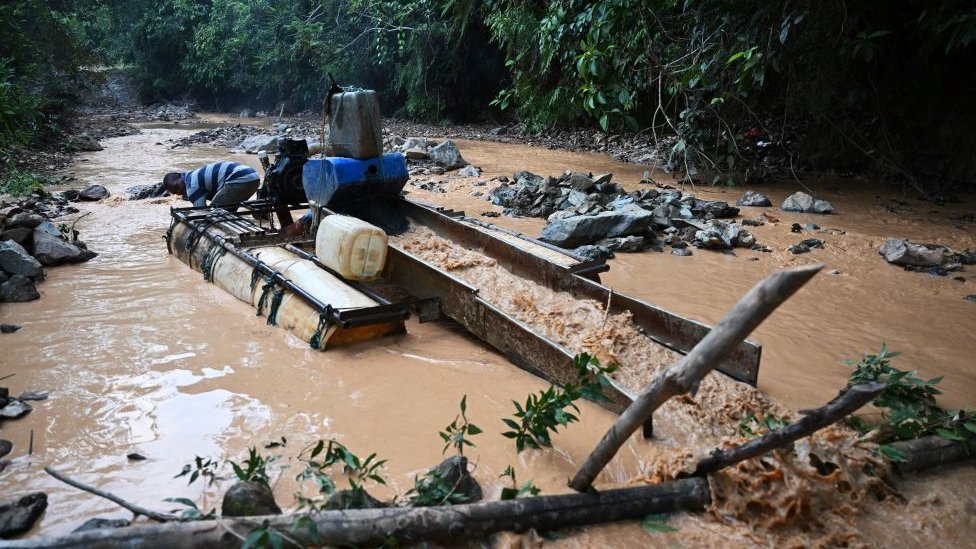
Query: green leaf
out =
(464, 403)
(182, 501)
(474, 429)
(970, 426)
(657, 523)
(605, 122)
(892, 453)
(949, 434)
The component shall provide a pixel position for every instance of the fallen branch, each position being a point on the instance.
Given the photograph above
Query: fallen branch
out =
(850, 399)
(685, 375)
(159, 517)
(376, 527)
(928, 452)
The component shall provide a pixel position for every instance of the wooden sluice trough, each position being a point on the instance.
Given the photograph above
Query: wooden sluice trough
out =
(285, 281)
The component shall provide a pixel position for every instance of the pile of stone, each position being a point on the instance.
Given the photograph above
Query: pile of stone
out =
(19, 514)
(29, 241)
(168, 112)
(596, 216)
(429, 157)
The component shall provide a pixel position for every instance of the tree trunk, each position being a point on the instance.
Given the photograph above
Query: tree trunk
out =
(375, 527)
(684, 375)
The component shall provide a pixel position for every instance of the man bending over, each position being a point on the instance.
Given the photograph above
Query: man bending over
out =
(222, 183)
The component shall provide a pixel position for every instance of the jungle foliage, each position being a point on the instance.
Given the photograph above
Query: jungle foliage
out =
(838, 85)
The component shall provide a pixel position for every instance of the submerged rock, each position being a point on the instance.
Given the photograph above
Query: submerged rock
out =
(594, 252)
(19, 515)
(249, 499)
(903, 252)
(454, 472)
(102, 524)
(5, 447)
(142, 192)
(9, 328)
(18, 289)
(469, 171)
(93, 193)
(15, 409)
(52, 250)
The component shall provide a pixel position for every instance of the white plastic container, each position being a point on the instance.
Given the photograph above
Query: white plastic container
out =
(354, 127)
(351, 247)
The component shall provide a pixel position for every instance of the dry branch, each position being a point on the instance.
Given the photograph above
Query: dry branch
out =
(684, 375)
(847, 401)
(138, 510)
(928, 452)
(376, 527)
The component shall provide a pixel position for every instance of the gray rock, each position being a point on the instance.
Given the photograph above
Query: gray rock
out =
(142, 192)
(20, 235)
(102, 524)
(416, 153)
(971, 298)
(85, 143)
(93, 193)
(561, 214)
(717, 235)
(52, 250)
(502, 195)
(580, 181)
(714, 210)
(454, 472)
(797, 202)
(620, 201)
(49, 228)
(469, 171)
(4, 277)
(682, 252)
(752, 199)
(19, 515)
(587, 229)
(447, 154)
(576, 198)
(260, 142)
(24, 219)
(822, 207)
(528, 179)
(745, 239)
(352, 499)
(15, 260)
(5, 447)
(421, 143)
(18, 289)
(602, 179)
(9, 328)
(594, 252)
(903, 252)
(798, 249)
(15, 409)
(249, 499)
(624, 243)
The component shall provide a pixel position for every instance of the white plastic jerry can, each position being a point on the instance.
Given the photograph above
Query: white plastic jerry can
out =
(351, 247)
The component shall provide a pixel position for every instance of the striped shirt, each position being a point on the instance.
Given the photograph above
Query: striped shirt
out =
(203, 183)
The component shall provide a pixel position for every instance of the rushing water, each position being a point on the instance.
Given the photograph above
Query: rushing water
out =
(140, 355)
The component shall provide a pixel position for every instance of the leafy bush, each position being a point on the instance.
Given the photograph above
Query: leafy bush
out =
(547, 410)
(18, 183)
(908, 404)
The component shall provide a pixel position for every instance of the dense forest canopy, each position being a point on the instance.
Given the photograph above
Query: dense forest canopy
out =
(838, 85)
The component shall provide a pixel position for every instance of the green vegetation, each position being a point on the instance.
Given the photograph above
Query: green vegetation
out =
(547, 410)
(515, 491)
(456, 434)
(434, 489)
(908, 407)
(18, 183)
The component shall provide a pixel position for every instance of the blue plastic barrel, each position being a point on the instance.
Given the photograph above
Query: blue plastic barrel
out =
(334, 181)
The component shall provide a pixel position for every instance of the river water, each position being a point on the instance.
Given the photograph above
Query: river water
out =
(140, 355)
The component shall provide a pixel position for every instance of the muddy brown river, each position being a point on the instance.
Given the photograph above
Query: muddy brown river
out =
(140, 355)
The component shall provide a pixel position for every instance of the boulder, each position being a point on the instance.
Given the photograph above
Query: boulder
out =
(587, 229)
(102, 524)
(93, 193)
(249, 499)
(352, 499)
(9, 328)
(415, 153)
(580, 181)
(802, 202)
(624, 243)
(421, 143)
(594, 252)
(15, 409)
(53, 250)
(48, 228)
(681, 252)
(20, 235)
(18, 290)
(85, 143)
(717, 235)
(142, 192)
(797, 202)
(24, 219)
(454, 472)
(19, 515)
(15, 260)
(903, 252)
(260, 142)
(752, 199)
(469, 171)
(5, 447)
(502, 195)
(714, 210)
(447, 154)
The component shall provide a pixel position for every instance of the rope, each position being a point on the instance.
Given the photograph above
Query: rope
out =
(169, 235)
(210, 261)
(255, 275)
(277, 294)
(325, 320)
